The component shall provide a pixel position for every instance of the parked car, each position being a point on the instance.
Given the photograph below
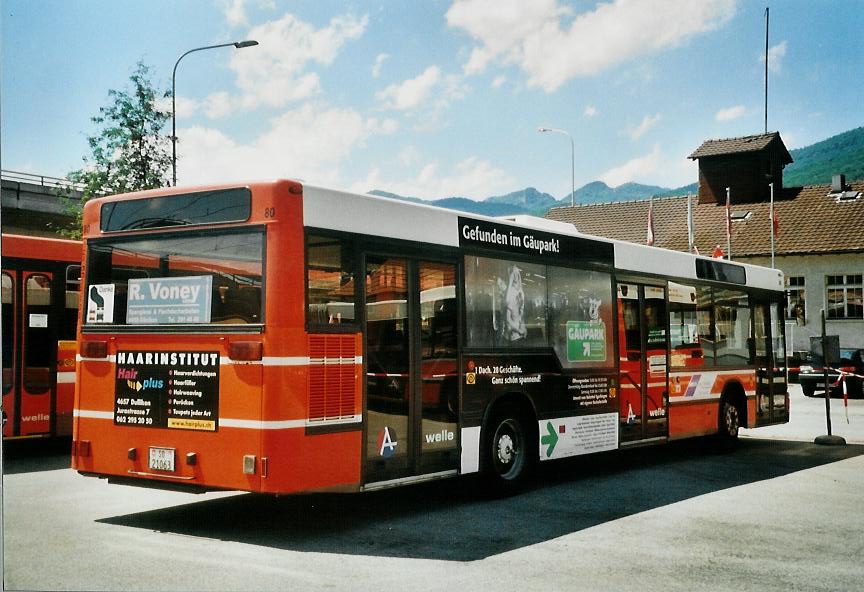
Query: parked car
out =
(795, 361)
(812, 378)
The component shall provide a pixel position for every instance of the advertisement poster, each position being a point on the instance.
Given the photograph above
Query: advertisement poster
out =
(100, 303)
(586, 341)
(570, 436)
(167, 301)
(175, 390)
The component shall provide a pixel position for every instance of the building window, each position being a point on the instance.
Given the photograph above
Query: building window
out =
(796, 308)
(844, 296)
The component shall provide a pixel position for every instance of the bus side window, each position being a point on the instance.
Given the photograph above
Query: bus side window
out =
(73, 288)
(705, 324)
(39, 350)
(8, 331)
(330, 286)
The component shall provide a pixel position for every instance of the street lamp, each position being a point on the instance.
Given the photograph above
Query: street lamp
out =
(572, 161)
(238, 45)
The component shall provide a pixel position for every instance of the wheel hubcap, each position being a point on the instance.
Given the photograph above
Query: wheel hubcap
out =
(732, 419)
(506, 449)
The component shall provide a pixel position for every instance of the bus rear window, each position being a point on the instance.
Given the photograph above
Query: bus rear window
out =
(203, 207)
(193, 279)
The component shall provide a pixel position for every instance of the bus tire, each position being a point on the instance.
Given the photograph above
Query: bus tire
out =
(729, 423)
(510, 451)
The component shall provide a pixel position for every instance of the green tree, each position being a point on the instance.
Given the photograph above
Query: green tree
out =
(128, 152)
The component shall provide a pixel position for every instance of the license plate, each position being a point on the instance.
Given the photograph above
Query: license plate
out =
(162, 459)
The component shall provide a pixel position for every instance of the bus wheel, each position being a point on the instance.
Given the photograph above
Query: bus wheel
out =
(730, 423)
(511, 457)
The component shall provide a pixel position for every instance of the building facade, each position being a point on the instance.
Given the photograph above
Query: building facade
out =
(818, 231)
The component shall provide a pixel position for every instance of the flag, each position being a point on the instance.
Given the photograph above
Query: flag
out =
(650, 240)
(775, 225)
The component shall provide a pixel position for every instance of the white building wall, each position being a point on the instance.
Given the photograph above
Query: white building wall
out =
(814, 268)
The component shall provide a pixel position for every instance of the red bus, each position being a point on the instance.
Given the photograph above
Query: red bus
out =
(280, 337)
(40, 284)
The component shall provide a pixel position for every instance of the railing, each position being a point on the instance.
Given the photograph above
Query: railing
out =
(41, 180)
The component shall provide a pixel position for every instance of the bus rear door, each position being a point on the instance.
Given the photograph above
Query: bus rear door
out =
(642, 322)
(771, 388)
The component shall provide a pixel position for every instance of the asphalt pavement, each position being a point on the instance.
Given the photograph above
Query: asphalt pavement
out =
(777, 513)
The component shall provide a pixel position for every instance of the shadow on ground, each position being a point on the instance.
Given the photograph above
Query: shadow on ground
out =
(31, 455)
(450, 520)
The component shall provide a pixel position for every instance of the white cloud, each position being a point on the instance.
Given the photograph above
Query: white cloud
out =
(409, 156)
(637, 169)
(274, 72)
(184, 107)
(730, 113)
(379, 63)
(647, 123)
(309, 142)
(552, 46)
(776, 54)
(590, 111)
(235, 12)
(472, 177)
(218, 105)
(499, 81)
(411, 93)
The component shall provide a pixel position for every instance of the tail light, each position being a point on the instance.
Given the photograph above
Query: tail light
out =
(245, 351)
(94, 349)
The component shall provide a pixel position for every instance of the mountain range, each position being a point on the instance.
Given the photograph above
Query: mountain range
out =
(814, 164)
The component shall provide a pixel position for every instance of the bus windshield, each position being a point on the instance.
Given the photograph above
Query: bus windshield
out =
(191, 278)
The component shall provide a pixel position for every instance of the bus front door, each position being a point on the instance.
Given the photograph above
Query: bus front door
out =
(411, 373)
(642, 322)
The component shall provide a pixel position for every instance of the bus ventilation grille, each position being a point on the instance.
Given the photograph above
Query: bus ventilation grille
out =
(331, 377)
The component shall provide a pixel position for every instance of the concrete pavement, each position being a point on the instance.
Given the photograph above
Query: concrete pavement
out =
(772, 515)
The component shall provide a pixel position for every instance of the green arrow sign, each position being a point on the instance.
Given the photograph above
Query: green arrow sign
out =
(551, 439)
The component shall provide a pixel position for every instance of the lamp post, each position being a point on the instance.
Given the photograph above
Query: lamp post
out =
(238, 45)
(572, 161)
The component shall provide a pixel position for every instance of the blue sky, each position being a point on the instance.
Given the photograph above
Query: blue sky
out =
(436, 98)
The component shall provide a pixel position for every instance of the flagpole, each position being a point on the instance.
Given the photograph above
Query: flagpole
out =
(690, 234)
(766, 69)
(771, 222)
(728, 226)
(650, 238)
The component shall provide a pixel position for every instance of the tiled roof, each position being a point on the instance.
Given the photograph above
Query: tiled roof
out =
(810, 222)
(737, 145)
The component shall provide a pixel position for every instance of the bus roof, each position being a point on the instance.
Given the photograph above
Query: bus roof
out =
(41, 248)
(410, 221)
(325, 208)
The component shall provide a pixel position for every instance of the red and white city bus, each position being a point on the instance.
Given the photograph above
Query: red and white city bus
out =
(280, 337)
(40, 283)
